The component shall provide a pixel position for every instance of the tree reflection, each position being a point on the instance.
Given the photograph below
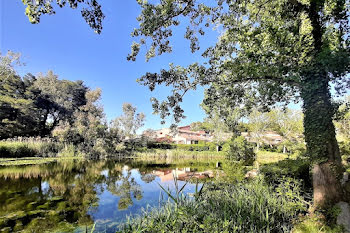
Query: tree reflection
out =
(148, 178)
(63, 196)
(125, 187)
(58, 197)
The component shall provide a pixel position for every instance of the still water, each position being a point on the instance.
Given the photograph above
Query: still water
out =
(75, 195)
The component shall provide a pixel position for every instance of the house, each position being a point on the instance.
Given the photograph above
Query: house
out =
(183, 135)
(269, 137)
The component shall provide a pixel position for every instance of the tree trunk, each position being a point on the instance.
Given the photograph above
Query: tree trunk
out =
(321, 142)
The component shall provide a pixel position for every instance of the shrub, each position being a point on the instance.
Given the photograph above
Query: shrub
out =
(154, 145)
(234, 172)
(297, 148)
(175, 153)
(241, 150)
(295, 168)
(192, 147)
(201, 146)
(226, 147)
(212, 146)
(47, 149)
(269, 148)
(344, 147)
(68, 150)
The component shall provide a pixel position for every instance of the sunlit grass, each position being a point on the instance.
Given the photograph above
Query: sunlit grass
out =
(315, 224)
(28, 148)
(265, 157)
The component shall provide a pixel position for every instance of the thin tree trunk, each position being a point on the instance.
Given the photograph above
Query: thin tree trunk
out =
(321, 141)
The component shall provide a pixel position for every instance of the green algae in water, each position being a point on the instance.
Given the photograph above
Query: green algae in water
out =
(72, 194)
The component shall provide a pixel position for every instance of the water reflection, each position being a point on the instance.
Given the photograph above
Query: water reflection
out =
(70, 196)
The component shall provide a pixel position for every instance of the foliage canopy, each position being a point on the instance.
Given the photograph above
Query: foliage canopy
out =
(91, 11)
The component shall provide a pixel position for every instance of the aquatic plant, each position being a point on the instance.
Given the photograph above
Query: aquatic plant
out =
(244, 207)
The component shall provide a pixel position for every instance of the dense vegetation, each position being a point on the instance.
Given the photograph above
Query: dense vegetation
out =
(268, 54)
(67, 120)
(245, 207)
(31, 147)
(67, 112)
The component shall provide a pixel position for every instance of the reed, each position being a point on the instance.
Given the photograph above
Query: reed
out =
(244, 207)
(31, 147)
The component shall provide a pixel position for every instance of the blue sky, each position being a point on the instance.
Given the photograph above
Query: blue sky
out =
(65, 44)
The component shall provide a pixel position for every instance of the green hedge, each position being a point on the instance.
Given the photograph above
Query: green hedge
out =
(153, 145)
(192, 147)
(201, 146)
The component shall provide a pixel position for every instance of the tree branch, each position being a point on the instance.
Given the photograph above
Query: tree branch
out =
(265, 78)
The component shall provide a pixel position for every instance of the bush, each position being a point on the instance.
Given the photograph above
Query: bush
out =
(269, 148)
(226, 146)
(192, 147)
(202, 146)
(177, 154)
(47, 149)
(344, 147)
(154, 145)
(294, 168)
(297, 148)
(68, 150)
(212, 146)
(241, 150)
(243, 207)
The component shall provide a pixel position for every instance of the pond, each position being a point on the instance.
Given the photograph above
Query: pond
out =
(75, 195)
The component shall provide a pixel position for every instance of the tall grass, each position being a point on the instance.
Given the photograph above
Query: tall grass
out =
(29, 147)
(245, 207)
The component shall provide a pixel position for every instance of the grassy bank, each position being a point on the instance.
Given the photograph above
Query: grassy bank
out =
(177, 153)
(266, 157)
(315, 224)
(32, 160)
